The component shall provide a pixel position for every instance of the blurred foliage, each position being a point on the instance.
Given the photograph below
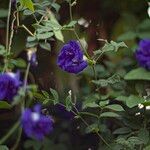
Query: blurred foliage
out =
(109, 104)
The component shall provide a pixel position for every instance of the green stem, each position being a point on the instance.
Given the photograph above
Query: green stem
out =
(23, 26)
(89, 114)
(70, 10)
(9, 42)
(16, 125)
(77, 113)
(7, 35)
(7, 27)
(26, 76)
(18, 22)
(94, 71)
(93, 67)
(10, 132)
(12, 32)
(25, 84)
(71, 18)
(18, 140)
(99, 56)
(95, 131)
(81, 44)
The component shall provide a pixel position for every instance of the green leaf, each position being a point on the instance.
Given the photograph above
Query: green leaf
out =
(118, 45)
(27, 12)
(122, 98)
(123, 130)
(45, 3)
(56, 28)
(135, 140)
(138, 74)
(146, 103)
(55, 96)
(32, 44)
(19, 63)
(39, 96)
(46, 94)
(90, 105)
(58, 34)
(68, 102)
(133, 101)
(125, 143)
(3, 147)
(84, 44)
(71, 24)
(45, 46)
(4, 105)
(53, 23)
(43, 29)
(55, 6)
(92, 128)
(44, 36)
(144, 135)
(28, 4)
(127, 36)
(147, 147)
(104, 103)
(31, 38)
(90, 101)
(112, 46)
(105, 82)
(109, 114)
(115, 107)
(2, 50)
(41, 12)
(101, 82)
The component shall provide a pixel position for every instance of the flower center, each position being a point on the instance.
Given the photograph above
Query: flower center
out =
(35, 116)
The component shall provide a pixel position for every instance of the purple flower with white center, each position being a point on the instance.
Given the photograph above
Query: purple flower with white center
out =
(35, 124)
(9, 85)
(143, 54)
(70, 58)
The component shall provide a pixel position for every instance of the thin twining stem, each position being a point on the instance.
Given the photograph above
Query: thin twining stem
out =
(23, 26)
(7, 27)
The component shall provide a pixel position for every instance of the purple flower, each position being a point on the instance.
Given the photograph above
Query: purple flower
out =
(71, 59)
(35, 124)
(63, 113)
(9, 85)
(143, 54)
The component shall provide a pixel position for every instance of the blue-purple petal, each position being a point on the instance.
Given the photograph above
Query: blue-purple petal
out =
(143, 54)
(70, 58)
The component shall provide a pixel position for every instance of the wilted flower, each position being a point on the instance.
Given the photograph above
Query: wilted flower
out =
(32, 58)
(35, 124)
(83, 22)
(71, 59)
(143, 54)
(9, 85)
(148, 10)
